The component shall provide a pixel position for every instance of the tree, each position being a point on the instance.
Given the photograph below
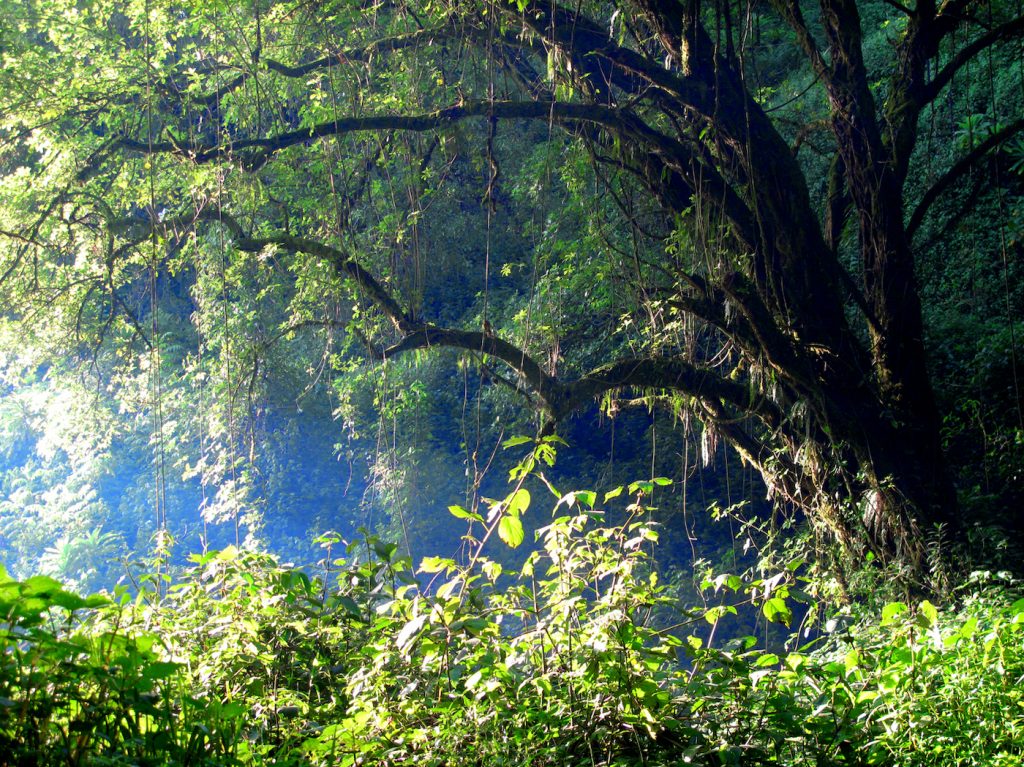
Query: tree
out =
(183, 133)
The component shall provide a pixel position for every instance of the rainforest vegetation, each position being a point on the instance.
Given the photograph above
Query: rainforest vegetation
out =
(510, 382)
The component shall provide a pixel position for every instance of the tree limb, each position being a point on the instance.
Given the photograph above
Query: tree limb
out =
(954, 174)
(945, 75)
(563, 112)
(790, 11)
(360, 55)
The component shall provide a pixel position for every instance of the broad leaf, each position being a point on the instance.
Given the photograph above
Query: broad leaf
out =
(510, 530)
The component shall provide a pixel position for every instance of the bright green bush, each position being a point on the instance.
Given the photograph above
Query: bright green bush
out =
(566, 660)
(80, 686)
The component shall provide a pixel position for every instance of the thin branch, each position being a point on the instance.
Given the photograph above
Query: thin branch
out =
(265, 147)
(899, 7)
(343, 56)
(961, 168)
(945, 75)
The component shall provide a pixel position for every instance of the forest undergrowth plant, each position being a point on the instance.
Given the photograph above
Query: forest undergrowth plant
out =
(581, 653)
(80, 684)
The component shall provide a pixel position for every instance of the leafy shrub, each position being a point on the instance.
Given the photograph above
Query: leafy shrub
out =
(75, 690)
(569, 659)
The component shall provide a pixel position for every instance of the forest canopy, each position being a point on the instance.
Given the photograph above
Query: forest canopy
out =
(761, 216)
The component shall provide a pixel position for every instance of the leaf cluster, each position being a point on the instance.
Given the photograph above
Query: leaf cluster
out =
(581, 656)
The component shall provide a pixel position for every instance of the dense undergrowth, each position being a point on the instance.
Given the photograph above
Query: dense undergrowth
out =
(582, 656)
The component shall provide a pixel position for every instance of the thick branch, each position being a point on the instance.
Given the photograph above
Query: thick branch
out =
(427, 335)
(662, 373)
(790, 11)
(341, 261)
(559, 398)
(605, 64)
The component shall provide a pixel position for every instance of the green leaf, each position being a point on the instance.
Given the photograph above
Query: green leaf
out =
(67, 600)
(159, 670)
(714, 614)
(518, 502)
(891, 611)
(350, 606)
(614, 493)
(385, 550)
(409, 631)
(435, 564)
(447, 589)
(587, 498)
(475, 625)
(928, 613)
(1017, 612)
(554, 439)
(510, 530)
(491, 569)
(777, 611)
(515, 441)
(39, 585)
(233, 710)
(460, 513)
(794, 661)
(969, 628)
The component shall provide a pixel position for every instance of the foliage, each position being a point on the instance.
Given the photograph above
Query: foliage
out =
(230, 212)
(581, 656)
(278, 266)
(77, 685)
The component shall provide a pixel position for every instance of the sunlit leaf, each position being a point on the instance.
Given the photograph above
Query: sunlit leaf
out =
(587, 498)
(777, 611)
(160, 670)
(435, 564)
(510, 530)
(928, 613)
(516, 441)
(891, 611)
(409, 632)
(613, 493)
(460, 513)
(518, 502)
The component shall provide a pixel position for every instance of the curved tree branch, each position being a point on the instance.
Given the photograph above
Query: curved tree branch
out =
(562, 112)
(359, 55)
(790, 11)
(671, 373)
(961, 168)
(1006, 31)
(559, 398)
